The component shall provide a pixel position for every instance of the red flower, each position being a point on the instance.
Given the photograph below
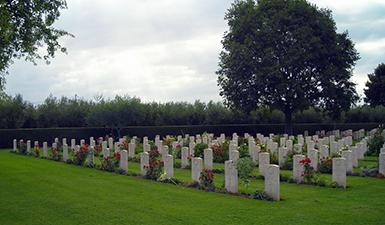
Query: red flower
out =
(117, 155)
(305, 161)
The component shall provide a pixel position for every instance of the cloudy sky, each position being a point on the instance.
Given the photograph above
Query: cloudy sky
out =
(165, 50)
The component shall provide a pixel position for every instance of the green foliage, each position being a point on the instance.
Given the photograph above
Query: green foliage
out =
(376, 142)
(155, 168)
(287, 55)
(309, 174)
(274, 158)
(199, 149)
(22, 148)
(25, 27)
(125, 111)
(375, 91)
(14, 112)
(288, 163)
(261, 195)
(108, 164)
(221, 152)
(207, 180)
(245, 167)
(326, 165)
(365, 114)
(243, 150)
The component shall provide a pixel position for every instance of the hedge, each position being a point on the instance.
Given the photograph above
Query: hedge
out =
(48, 134)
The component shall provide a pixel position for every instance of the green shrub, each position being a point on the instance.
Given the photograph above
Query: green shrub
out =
(261, 195)
(375, 143)
(206, 179)
(220, 152)
(199, 149)
(243, 150)
(326, 165)
(288, 163)
(245, 166)
(155, 168)
(274, 158)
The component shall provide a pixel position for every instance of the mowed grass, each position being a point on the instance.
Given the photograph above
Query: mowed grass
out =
(38, 191)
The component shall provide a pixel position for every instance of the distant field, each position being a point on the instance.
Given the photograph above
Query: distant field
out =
(38, 191)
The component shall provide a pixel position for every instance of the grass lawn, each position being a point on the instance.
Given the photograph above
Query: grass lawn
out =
(38, 191)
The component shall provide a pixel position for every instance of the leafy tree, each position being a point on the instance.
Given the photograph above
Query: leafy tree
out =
(375, 92)
(286, 55)
(13, 112)
(25, 27)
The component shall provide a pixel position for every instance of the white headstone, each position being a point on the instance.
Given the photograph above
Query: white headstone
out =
(45, 149)
(234, 155)
(324, 151)
(146, 147)
(272, 183)
(14, 145)
(191, 147)
(104, 145)
(354, 156)
(298, 168)
(164, 152)
(339, 171)
(110, 143)
(65, 153)
(106, 153)
(231, 177)
(313, 156)
(297, 148)
(282, 155)
(208, 159)
(264, 161)
(349, 163)
(196, 168)
(29, 146)
(184, 155)
(73, 143)
(131, 150)
(123, 165)
(169, 166)
(333, 147)
(381, 162)
(144, 161)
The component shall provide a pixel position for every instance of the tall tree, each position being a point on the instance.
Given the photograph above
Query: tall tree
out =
(25, 26)
(288, 55)
(375, 91)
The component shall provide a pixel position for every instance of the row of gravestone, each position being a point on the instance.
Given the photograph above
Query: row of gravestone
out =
(271, 172)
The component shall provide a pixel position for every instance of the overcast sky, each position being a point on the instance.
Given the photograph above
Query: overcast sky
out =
(165, 50)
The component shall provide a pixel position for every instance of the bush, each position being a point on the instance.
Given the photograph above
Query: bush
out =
(326, 165)
(108, 164)
(375, 143)
(155, 168)
(288, 163)
(220, 152)
(309, 174)
(273, 158)
(261, 195)
(243, 150)
(207, 180)
(245, 166)
(22, 148)
(199, 149)
(80, 155)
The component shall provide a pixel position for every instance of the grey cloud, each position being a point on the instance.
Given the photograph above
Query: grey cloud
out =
(161, 50)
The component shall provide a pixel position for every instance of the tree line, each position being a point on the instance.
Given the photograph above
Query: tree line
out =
(15, 112)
